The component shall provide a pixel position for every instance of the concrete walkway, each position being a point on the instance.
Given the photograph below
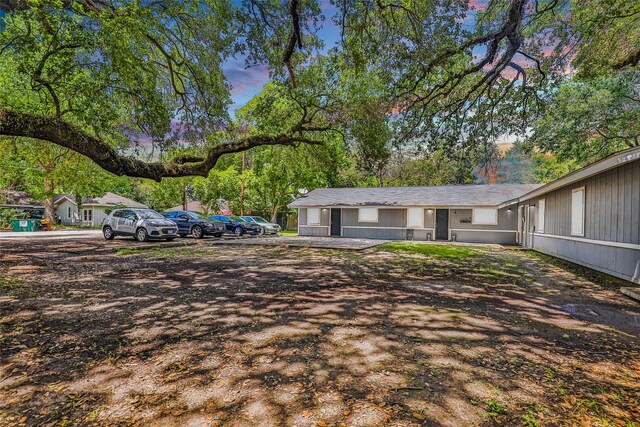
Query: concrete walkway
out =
(58, 234)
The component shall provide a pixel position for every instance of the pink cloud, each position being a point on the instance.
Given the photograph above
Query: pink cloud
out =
(477, 4)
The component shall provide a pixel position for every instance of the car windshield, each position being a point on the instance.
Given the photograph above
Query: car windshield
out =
(237, 219)
(247, 218)
(149, 214)
(260, 219)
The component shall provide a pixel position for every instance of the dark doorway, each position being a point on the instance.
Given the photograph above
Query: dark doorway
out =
(336, 217)
(442, 224)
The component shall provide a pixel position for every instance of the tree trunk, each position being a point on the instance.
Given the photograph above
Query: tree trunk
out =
(49, 208)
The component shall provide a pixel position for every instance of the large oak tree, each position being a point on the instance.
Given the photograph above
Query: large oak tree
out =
(99, 76)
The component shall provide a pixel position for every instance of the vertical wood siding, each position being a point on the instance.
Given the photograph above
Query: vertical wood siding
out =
(612, 206)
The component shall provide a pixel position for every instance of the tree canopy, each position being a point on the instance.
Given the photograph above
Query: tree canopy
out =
(138, 86)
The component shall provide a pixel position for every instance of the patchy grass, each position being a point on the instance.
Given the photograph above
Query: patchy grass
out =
(8, 283)
(288, 233)
(495, 409)
(580, 271)
(447, 252)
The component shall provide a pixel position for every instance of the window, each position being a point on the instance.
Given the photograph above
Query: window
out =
(313, 216)
(541, 206)
(577, 212)
(87, 214)
(69, 212)
(485, 216)
(415, 218)
(368, 215)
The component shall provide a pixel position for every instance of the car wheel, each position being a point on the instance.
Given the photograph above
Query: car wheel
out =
(141, 235)
(108, 233)
(262, 231)
(182, 235)
(197, 232)
(238, 231)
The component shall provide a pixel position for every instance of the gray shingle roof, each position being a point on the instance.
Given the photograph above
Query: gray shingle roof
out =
(441, 195)
(111, 199)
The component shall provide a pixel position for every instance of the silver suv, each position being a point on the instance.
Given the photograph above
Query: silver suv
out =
(142, 224)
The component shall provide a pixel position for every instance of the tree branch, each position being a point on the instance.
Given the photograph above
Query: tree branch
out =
(66, 135)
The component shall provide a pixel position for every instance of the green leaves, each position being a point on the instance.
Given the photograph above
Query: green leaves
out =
(587, 120)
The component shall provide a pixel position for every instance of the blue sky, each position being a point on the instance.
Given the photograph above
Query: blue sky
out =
(248, 82)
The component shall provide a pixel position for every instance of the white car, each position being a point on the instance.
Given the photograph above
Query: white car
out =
(267, 227)
(141, 224)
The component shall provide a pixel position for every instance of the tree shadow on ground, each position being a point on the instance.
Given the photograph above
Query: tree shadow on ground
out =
(277, 336)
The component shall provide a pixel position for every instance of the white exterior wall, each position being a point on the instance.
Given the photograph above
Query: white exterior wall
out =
(99, 215)
(63, 212)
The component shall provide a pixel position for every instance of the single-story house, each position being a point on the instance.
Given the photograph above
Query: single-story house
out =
(590, 217)
(93, 210)
(464, 213)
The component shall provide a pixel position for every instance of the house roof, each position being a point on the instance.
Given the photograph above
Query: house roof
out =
(58, 198)
(16, 198)
(441, 195)
(111, 199)
(194, 206)
(600, 166)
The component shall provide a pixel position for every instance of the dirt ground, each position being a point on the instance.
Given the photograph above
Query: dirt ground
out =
(212, 335)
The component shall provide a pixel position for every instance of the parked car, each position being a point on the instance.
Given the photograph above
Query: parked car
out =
(238, 226)
(195, 224)
(267, 227)
(141, 224)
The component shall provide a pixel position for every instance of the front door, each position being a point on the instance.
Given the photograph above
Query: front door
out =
(336, 225)
(442, 224)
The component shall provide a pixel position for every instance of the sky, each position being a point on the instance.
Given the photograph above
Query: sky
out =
(248, 82)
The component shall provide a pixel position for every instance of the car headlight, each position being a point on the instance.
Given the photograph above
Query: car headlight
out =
(155, 224)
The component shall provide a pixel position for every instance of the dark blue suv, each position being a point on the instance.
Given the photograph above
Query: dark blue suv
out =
(238, 226)
(195, 224)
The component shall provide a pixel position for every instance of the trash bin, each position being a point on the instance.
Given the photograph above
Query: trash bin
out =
(45, 224)
(25, 224)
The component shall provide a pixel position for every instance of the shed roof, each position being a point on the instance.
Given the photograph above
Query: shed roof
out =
(16, 198)
(440, 195)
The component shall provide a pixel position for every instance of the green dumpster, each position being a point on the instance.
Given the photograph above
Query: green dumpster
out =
(25, 224)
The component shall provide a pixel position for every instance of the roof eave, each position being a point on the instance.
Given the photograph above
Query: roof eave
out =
(603, 165)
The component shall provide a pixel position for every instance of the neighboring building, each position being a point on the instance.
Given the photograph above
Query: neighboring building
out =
(93, 209)
(18, 200)
(465, 213)
(194, 206)
(590, 217)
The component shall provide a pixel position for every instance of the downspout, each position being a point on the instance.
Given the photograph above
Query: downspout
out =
(636, 275)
